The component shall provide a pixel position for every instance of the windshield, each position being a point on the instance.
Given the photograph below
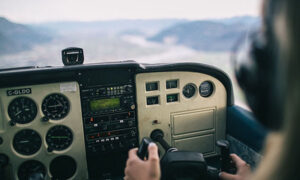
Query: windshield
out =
(33, 32)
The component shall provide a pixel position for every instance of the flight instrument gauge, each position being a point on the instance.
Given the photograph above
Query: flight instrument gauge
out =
(27, 142)
(189, 90)
(55, 106)
(28, 168)
(59, 138)
(22, 110)
(206, 89)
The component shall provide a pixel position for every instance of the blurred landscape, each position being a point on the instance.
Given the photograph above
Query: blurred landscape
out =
(145, 41)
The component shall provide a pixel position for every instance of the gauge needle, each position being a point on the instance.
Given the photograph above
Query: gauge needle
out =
(58, 137)
(18, 113)
(24, 141)
(57, 105)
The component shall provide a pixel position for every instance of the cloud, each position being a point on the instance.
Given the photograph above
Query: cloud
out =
(31, 11)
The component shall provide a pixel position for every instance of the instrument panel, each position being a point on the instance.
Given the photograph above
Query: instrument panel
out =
(43, 129)
(80, 124)
(189, 107)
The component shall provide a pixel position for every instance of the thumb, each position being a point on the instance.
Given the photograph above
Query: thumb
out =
(227, 176)
(153, 153)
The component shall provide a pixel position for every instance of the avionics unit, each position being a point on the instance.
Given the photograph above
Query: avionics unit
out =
(110, 124)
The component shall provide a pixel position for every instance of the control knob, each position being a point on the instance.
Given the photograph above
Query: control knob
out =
(128, 88)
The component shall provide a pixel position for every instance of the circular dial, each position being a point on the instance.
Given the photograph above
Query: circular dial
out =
(189, 90)
(206, 89)
(22, 110)
(27, 142)
(63, 167)
(55, 106)
(59, 138)
(31, 168)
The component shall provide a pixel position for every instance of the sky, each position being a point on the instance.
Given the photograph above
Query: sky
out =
(36, 11)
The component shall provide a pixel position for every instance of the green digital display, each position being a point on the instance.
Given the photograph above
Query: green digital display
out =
(101, 104)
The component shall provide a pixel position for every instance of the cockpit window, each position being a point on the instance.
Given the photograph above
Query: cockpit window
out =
(33, 32)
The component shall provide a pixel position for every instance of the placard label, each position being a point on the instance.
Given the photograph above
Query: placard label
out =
(15, 92)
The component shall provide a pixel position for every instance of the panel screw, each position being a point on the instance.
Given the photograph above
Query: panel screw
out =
(12, 123)
(45, 119)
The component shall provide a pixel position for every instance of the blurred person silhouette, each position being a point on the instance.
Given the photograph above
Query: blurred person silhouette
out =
(267, 69)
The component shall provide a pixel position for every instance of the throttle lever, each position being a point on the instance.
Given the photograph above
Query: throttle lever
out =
(226, 162)
(143, 149)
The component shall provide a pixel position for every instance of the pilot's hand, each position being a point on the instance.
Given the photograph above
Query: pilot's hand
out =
(137, 169)
(243, 170)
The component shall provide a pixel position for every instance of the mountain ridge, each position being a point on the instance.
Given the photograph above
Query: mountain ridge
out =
(207, 35)
(15, 37)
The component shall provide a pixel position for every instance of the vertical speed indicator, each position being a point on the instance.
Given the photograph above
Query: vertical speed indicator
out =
(59, 138)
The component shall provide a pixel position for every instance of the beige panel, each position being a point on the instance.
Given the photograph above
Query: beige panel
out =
(159, 116)
(1, 117)
(192, 121)
(203, 144)
(73, 120)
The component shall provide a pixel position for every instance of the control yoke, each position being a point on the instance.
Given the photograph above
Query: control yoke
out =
(176, 164)
(143, 149)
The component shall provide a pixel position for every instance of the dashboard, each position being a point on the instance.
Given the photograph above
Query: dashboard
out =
(78, 122)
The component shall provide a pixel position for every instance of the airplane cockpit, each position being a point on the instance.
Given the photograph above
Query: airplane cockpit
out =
(166, 90)
(78, 121)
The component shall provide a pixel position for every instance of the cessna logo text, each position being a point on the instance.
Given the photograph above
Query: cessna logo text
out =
(15, 92)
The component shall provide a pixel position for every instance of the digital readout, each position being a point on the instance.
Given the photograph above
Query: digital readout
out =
(172, 98)
(171, 84)
(152, 86)
(101, 104)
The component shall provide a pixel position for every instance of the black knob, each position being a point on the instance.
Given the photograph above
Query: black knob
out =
(158, 135)
(128, 88)
(12, 122)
